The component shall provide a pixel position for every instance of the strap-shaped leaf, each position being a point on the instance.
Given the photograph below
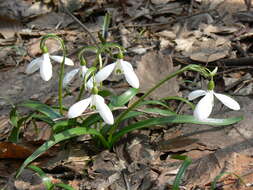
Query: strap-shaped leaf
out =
(45, 179)
(64, 186)
(172, 119)
(182, 169)
(42, 108)
(64, 125)
(153, 102)
(70, 133)
(129, 115)
(118, 101)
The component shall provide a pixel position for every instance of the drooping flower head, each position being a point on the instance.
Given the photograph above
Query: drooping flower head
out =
(119, 67)
(95, 102)
(71, 75)
(43, 64)
(205, 105)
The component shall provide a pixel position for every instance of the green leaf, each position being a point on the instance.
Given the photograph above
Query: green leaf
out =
(14, 117)
(130, 114)
(64, 186)
(105, 27)
(105, 93)
(182, 169)
(172, 119)
(43, 118)
(94, 118)
(180, 99)
(153, 102)
(118, 101)
(45, 179)
(159, 111)
(213, 186)
(42, 108)
(70, 133)
(14, 136)
(64, 125)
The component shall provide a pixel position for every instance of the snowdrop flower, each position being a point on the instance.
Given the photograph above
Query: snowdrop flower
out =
(205, 105)
(120, 67)
(44, 64)
(94, 101)
(71, 74)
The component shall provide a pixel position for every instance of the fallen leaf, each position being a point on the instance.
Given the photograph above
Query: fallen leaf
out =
(154, 67)
(210, 50)
(184, 44)
(51, 20)
(11, 150)
(9, 27)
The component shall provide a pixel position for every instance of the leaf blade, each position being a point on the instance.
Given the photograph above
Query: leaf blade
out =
(172, 119)
(42, 108)
(70, 133)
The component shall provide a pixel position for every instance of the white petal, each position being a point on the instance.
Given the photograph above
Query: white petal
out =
(126, 63)
(104, 73)
(196, 93)
(204, 107)
(59, 59)
(34, 65)
(46, 71)
(69, 77)
(103, 109)
(83, 71)
(130, 75)
(78, 108)
(227, 101)
(89, 84)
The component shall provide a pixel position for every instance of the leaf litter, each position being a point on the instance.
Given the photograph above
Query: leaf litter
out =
(152, 31)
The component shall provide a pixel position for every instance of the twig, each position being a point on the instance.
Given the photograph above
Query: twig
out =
(80, 23)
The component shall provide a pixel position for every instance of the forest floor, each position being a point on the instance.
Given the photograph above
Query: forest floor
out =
(160, 36)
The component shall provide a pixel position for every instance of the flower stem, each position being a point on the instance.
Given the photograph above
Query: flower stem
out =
(121, 116)
(61, 73)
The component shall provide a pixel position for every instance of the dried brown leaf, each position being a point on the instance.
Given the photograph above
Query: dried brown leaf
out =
(9, 27)
(154, 67)
(11, 150)
(210, 50)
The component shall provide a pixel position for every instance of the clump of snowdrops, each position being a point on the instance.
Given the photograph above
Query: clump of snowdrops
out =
(93, 112)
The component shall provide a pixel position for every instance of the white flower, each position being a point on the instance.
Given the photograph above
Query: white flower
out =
(71, 74)
(205, 105)
(44, 64)
(120, 67)
(94, 101)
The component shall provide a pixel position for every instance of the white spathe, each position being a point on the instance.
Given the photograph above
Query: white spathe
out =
(71, 74)
(205, 105)
(94, 100)
(44, 64)
(120, 67)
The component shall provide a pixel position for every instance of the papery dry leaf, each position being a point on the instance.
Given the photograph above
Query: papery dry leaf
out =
(208, 29)
(151, 69)
(9, 27)
(167, 34)
(51, 20)
(158, 2)
(210, 50)
(204, 170)
(39, 135)
(184, 44)
(12, 150)
(34, 46)
(4, 127)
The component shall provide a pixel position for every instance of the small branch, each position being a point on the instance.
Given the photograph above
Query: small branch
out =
(80, 23)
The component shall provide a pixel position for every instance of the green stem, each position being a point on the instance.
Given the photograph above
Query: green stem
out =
(81, 91)
(121, 116)
(60, 85)
(61, 74)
